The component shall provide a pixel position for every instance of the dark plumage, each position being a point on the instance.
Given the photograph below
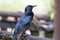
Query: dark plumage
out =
(24, 21)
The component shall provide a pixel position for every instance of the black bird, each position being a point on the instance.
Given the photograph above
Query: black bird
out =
(24, 22)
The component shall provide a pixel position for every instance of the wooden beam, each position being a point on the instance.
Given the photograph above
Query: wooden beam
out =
(6, 33)
(30, 37)
(19, 13)
(57, 19)
(38, 38)
(11, 13)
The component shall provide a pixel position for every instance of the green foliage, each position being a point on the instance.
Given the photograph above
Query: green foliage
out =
(18, 5)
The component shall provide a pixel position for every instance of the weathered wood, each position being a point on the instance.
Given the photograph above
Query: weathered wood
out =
(35, 24)
(38, 38)
(11, 13)
(30, 37)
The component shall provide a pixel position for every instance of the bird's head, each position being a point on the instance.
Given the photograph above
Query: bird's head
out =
(29, 7)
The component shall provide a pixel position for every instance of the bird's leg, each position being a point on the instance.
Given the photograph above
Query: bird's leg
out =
(14, 38)
(20, 36)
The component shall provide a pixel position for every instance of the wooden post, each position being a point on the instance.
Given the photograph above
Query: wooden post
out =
(4, 17)
(57, 19)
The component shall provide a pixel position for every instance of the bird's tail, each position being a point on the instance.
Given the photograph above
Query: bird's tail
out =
(14, 38)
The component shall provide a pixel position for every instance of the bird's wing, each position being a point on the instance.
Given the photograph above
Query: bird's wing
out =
(21, 24)
(26, 20)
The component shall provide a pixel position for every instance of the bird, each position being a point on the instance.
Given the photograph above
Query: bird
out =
(24, 22)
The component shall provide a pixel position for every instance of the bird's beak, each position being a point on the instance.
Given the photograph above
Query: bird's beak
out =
(34, 5)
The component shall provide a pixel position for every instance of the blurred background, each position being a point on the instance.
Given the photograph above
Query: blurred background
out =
(11, 10)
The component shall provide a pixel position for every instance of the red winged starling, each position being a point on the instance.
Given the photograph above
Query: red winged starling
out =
(24, 22)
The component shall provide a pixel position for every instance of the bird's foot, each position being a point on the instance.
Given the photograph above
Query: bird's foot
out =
(25, 36)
